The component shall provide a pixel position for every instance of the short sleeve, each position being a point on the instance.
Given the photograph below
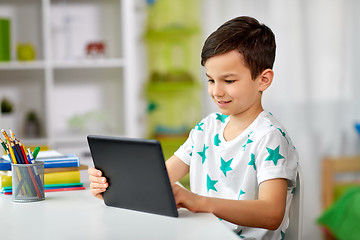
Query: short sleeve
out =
(276, 158)
(185, 151)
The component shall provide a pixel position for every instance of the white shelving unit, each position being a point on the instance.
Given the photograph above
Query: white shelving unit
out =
(63, 85)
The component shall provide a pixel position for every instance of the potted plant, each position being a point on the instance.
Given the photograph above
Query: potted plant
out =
(32, 126)
(7, 119)
(6, 106)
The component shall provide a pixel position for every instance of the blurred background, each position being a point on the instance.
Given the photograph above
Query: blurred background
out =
(69, 68)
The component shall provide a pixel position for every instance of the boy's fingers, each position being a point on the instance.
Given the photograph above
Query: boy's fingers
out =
(97, 193)
(94, 172)
(97, 179)
(98, 186)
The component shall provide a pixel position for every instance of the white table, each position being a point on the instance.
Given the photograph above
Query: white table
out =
(79, 215)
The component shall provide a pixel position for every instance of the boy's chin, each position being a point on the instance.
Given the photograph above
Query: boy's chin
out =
(224, 112)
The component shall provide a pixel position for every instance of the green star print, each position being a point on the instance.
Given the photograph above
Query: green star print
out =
(252, 161)
(274, 155)
(239, 233)
(284, 134)
(203, 154)
(225, 166)
(282, 235)
(221, 117)
(198, 126)
(217, 140)
(247, 142)
(241, 193)
(211, 184)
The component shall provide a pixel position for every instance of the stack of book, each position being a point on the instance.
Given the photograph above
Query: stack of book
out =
(61, 172)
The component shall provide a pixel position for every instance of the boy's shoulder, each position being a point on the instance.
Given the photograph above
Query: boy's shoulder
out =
(265, 125)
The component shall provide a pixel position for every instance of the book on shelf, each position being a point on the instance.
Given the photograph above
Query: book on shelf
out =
(51, 159)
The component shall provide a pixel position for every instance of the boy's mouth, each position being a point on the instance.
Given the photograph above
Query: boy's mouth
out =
(223, 103)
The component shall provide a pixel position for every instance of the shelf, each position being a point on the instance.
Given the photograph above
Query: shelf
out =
(58, 64)
(73, 90)
(89, 63)
(16, 65)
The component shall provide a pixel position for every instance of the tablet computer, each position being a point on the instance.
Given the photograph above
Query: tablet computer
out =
(136, 172)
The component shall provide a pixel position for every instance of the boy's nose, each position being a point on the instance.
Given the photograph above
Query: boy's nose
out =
(218, 90)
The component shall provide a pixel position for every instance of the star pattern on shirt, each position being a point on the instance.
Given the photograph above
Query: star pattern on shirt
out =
(225, 166)
(274, 155)
(247, 142)
(283, 134)
(282, 235)
(239, 234)
(210, 184)
(241, 193)
(203, 154)
(252, 161)
(198, 126)
(217, 141)
(221, 117)
(216, 183)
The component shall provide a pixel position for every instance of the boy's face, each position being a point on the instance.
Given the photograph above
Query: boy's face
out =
(231, 86)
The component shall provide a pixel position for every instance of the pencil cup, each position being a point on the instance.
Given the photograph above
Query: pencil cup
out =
(28, 182)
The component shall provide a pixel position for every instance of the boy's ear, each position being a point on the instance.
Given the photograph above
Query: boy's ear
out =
(265, 80)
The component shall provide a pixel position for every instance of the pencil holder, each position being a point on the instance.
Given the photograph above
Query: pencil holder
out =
(28, 182)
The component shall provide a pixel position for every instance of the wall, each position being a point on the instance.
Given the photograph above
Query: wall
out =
(314, 93)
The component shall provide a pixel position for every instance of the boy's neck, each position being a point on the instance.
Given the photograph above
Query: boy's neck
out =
(240, 122)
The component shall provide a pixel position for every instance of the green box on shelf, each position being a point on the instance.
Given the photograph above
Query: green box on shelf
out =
(5, 40)
(174, 107)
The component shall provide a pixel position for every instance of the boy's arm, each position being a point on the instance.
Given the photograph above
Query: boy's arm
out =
(266, 212)
(176, 168)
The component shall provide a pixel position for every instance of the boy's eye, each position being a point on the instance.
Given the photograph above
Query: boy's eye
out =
(229, 81)
(211, 81)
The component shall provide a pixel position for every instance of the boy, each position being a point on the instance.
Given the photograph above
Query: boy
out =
(241, 161)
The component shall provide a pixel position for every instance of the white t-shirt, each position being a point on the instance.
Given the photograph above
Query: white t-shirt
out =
(234, 169)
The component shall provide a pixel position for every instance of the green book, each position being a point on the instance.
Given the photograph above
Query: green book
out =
(5, 40)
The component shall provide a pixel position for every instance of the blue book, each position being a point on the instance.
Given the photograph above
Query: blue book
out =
(4, 165)
(70, 160)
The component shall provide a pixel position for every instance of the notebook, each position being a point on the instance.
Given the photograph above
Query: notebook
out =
(136, 173)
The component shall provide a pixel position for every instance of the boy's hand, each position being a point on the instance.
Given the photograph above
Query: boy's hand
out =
(98, 183)
(186, 199)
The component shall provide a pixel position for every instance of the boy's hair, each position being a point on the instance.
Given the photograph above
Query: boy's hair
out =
(254, 41)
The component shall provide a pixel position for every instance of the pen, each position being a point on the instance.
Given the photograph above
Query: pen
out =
(24, 160)
(19, 148)
(12, 154)
(23, 152)
(6, 150)
(16, 152)
(3, 144)
(36, 151)
(21, 157)
(12, 134)
(7, 138)
(31, 159)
